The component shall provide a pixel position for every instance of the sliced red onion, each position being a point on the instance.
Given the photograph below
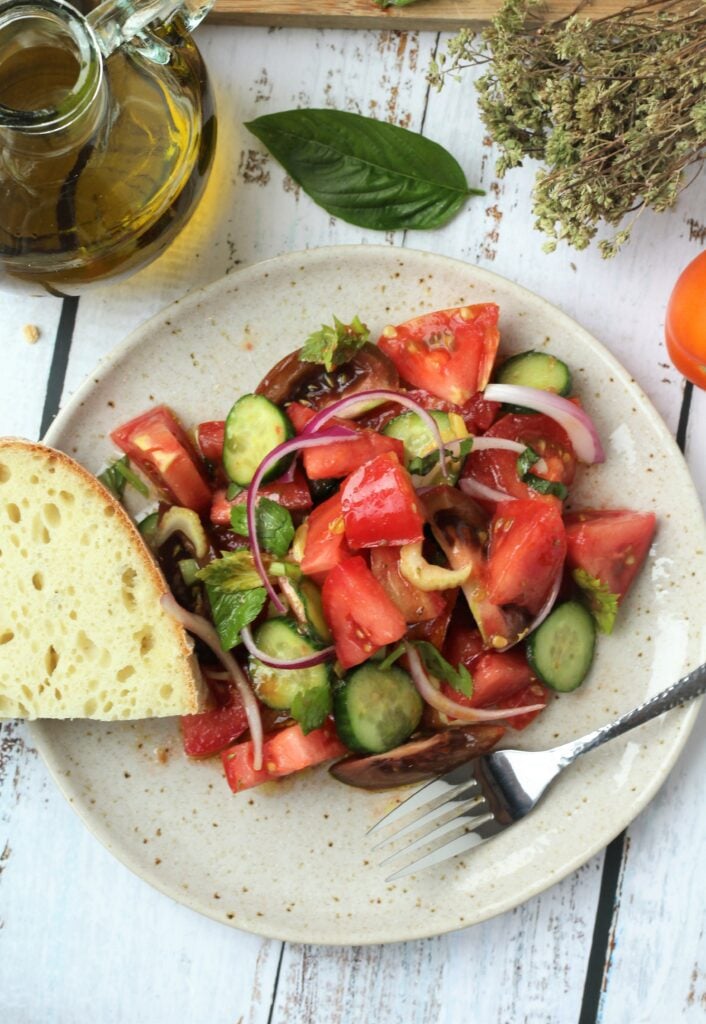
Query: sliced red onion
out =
(434, 697)
(295, 444)
(475, 489)
(380, 395)
(543, 611)
(203, 629)
(308, 661)
(577, 424)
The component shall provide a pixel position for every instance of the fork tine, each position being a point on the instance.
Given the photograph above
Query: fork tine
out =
(470, 817)
(451, 848)
(429, 792)
(428, 813)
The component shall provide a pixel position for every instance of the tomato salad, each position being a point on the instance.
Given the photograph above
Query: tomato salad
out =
(373, 553)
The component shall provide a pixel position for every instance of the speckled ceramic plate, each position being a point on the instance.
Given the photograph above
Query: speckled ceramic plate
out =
(291, 860)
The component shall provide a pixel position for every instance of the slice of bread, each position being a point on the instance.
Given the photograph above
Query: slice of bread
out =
(82, 631)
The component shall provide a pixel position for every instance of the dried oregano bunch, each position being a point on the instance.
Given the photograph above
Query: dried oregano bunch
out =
(614, 107)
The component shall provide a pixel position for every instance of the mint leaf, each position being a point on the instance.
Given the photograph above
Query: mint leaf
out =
(460, 678)
(525, 461)
(335, 345)
(115, 476)
(602, 604)
(390, 659)
(311, 707)
(233, 572)
(232, 611)
(366, 172)
(275, 529)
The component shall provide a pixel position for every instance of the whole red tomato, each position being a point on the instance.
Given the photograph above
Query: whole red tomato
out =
(685, 324)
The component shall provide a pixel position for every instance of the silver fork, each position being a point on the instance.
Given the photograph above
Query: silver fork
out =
(479, 800)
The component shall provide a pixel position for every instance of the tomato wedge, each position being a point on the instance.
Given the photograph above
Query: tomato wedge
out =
(526, 553)
(416, 605)
(211, 731)
(380, 505)
(449, 353)
(341, 458)
(610, 545)
(496, 677)
(361, 616)
(498, 469)
(533, 694)
(157, 443)
(325, 544)
(285, 752)
(292, 494)
(299, 415)
(210, 436)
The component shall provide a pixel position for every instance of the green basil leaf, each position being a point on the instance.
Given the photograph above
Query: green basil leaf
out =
(602, 604)
(232, 572)
(232, 611)
(366, 172)
(460, 678)
(335, 345)
(275, 529)
(525, 461)
(311, 707)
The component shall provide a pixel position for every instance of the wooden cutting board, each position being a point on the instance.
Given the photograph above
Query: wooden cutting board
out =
(433, 15)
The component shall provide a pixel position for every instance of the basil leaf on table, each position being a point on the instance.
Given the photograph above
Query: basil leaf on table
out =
(367, 172)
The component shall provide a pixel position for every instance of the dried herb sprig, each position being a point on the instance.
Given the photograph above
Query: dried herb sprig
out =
(614, 107)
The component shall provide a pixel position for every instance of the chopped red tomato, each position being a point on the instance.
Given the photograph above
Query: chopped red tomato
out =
(416, 605)
(285, 752)
(344, 457)
(157, 443)
(299, 415)
(609, 544)
(361, 616)
(534, 694)
(325, 544)
(210, 437)
(526, 553)
(292, 494)
(449, 353)
(498, 469)
(434, 630)
(212, 731)
(380, 505)
(496, 676)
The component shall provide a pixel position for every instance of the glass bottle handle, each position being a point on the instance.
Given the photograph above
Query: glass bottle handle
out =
(116, 22)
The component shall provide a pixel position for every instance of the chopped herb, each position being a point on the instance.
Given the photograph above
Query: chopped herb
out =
(538, 483)
(117, 474)
(460, 678)
(311, 707)
(275, 529)
(390, 659)
(602, 604)
(332, 346)
(232, 611)
(233, 572)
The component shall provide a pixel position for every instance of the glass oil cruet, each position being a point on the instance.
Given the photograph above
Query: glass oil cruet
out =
(107, 132)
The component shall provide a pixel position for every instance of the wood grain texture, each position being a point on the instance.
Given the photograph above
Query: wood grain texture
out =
(430, 15)
(80, 937)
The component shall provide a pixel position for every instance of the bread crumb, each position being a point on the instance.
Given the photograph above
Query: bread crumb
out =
(31, 333)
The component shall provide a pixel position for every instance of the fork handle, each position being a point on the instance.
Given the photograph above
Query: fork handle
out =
(689, 686)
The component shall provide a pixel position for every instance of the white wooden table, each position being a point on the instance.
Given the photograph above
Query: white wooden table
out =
(81, 939)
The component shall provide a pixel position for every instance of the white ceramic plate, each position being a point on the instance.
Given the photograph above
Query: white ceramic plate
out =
(291, 860)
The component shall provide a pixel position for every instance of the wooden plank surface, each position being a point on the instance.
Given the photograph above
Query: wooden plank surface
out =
(432, 15)
(80, 937)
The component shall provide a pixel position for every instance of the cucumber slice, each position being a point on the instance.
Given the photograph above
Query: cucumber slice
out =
(314, 609)
(254, 426)
(148, 528)
(412, 431)
(277, 687)
(376, 710)
(536, 370)
(560, 652)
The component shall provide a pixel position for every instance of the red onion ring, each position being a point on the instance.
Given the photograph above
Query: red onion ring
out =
(475, 489)
(295, 444)
(308, 661)
(577, 424)
(429, 693)
(380, 395)
(203, 629)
